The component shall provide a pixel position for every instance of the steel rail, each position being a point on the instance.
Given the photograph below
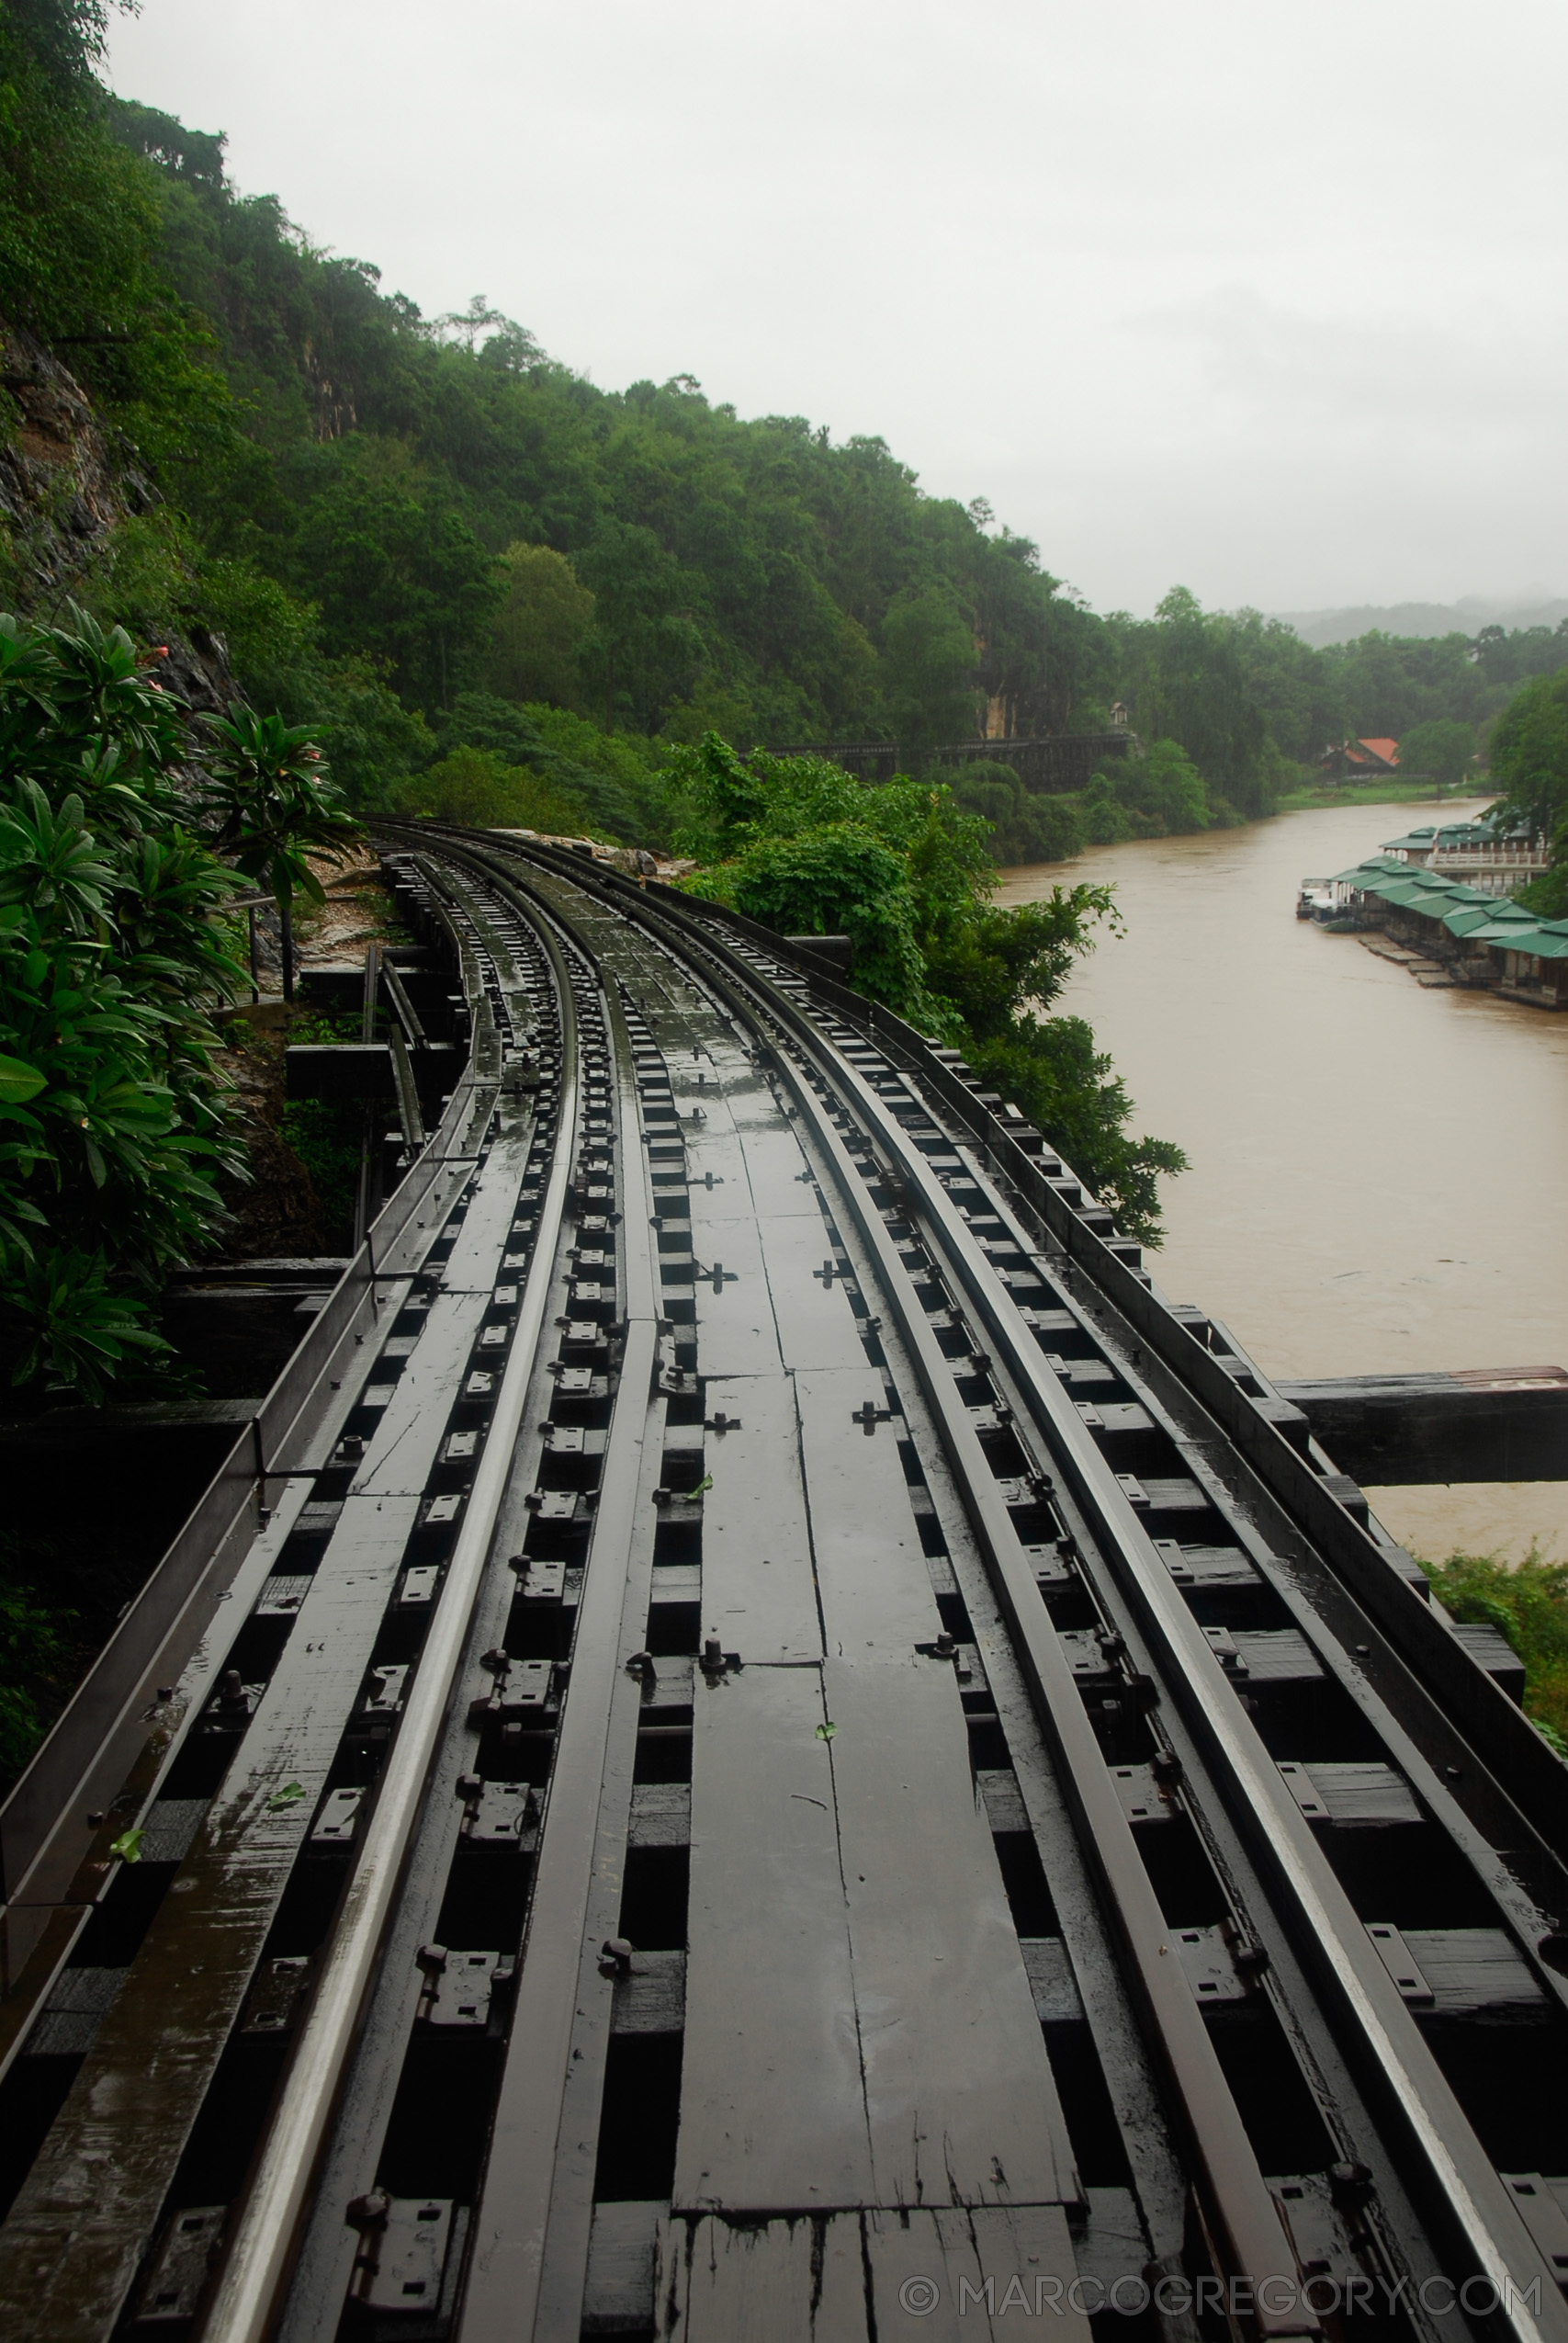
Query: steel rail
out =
(1393, 2056)
(508, 2266)
(258, 2261)
(1387, 2047)
(1478, 2212)
(559, 1980)
(1232, 2184)
(1523, 1769)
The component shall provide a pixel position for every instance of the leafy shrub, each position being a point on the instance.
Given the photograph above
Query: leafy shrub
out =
(30, 1642)
(478, 787)
(806, 848)
(1105, 818)
(1527, 1603)
(114, 960)
(839, 879)
(1051, 829)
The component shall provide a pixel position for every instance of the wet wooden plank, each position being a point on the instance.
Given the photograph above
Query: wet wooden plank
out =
(1477, 1973)
(946, 2277)
(409, 1430)
(618, 2296)
(773, 2113)
(875, 1589)
(480, 1239)
(70, 2244)
(962, 2102)
(762, 2284)
(758, 1591)
(1365, 1793)
(713, 1146)
(775, 1163)
(818, 1328)
(735, 1323)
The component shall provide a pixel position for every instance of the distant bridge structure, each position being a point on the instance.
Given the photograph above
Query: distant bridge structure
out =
(1053, 765)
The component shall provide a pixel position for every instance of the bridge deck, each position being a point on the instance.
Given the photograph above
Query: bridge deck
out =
(796, 1754)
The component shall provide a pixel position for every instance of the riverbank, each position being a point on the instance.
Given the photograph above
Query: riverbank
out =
(1376, 1168)
(1374, 793)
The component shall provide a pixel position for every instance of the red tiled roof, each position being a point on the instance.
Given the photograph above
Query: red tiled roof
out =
(1387, 750)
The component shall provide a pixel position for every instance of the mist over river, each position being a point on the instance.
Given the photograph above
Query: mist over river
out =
(1378, 1174)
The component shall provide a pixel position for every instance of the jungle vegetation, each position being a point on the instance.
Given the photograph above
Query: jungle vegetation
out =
(426, 534)
(486, 588)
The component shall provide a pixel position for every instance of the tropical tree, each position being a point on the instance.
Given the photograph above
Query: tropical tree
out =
(806, 848)
(540, 629)
(113, 958)
(1528, 755)
(269, 803)
(1441, 747)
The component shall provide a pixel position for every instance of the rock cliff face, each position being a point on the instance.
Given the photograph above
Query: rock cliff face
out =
(67, 481)
(64, 481)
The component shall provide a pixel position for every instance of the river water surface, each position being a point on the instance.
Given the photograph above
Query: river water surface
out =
(1378, 1174)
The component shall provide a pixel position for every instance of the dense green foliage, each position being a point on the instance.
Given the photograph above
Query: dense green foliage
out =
(33, 1639)
(499, 593)
(1440, 747)
(1527, 1603)
(1529, 754)
(1530, 764)
(111, 963)
(481, 787)
(388, 518)
(1027, 825)
(903, 870)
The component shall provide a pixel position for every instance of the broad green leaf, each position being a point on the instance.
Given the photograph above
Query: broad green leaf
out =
(20, 1081)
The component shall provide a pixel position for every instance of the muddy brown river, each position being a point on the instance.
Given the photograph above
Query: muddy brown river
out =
(1379, 1172)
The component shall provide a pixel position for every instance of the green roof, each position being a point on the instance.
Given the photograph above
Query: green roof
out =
(1500, 931)
(1466, 919)
(1543, 943)
(1434, 901)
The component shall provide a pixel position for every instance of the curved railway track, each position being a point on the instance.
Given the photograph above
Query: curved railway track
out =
(795, 1747)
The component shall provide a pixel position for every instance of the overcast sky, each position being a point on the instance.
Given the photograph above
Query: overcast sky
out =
(1266, 296)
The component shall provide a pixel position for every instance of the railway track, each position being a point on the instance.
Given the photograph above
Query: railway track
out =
(795, 1753)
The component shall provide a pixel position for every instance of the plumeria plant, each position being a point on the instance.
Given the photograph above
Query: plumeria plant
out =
(115, 957)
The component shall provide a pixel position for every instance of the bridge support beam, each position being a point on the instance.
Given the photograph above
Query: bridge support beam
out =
(1475, 1424)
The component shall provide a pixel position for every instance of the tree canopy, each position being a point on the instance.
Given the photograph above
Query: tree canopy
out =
(382, 514)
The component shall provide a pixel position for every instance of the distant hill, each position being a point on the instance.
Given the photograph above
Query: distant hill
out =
(1423, 619)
